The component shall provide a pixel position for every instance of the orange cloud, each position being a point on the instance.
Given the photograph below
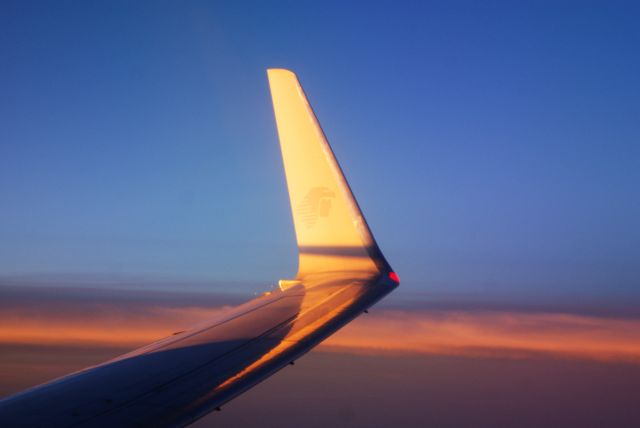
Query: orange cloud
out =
(111, 327)
(492, 333)
(434, 332)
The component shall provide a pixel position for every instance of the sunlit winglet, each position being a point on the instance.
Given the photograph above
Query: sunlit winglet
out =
(331, 231)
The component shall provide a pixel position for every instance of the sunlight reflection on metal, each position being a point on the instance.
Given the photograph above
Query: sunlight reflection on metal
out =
(331, 231)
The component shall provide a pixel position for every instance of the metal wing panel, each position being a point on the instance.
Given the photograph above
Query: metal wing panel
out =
(186, 378)
(83, 395)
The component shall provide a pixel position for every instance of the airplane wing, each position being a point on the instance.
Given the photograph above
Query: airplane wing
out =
(177, 380)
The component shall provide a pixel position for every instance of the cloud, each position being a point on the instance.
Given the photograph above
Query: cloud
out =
(491, 334)
(427, 331)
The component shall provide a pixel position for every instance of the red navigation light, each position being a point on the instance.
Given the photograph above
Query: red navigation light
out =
(394, 277)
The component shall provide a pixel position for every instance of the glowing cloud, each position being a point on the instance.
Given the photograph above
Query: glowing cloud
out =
(473, 333)
(492, 334)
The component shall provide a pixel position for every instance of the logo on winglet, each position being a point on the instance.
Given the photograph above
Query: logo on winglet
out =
(316, 204)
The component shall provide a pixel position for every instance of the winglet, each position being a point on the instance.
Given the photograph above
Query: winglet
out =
(331, 231)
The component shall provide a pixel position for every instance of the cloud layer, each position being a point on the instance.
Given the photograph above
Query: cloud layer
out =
(119, 320)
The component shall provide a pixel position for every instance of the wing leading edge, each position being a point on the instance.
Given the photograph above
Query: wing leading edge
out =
(179, 379)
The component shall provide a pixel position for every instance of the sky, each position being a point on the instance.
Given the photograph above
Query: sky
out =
(493, 146)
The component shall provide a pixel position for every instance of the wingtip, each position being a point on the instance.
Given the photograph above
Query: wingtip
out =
(280, 71)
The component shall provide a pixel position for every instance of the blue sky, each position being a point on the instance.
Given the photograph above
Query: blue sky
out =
(493, 147)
